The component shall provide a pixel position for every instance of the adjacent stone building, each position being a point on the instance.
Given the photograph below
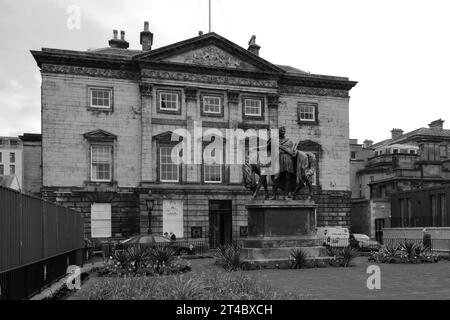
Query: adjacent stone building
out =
(108, 116)
(418, 159)
(11, 164)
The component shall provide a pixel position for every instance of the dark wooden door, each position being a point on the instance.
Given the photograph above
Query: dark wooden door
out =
(220, 222)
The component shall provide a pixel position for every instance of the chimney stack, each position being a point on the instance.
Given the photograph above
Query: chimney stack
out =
(437, 124)
(396, 133)
(146, 38)
(200, 33)
(116, 43)
(367, 144)
(253, 47)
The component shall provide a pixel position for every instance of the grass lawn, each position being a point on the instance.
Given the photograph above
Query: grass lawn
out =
(208, 281)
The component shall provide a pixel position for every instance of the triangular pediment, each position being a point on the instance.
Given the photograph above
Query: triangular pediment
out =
(210, 50)
(211, 56)
(99, 135)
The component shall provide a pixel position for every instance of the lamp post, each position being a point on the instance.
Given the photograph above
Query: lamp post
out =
(150, 203)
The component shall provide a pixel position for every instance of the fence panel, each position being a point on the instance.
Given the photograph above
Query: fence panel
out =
(50, 230)
(9, 229)
(38, 241)
(32, 244)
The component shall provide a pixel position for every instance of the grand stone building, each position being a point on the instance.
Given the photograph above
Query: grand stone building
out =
(108, 116)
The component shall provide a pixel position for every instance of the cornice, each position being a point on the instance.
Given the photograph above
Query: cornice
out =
(315, 91)
(91, 72)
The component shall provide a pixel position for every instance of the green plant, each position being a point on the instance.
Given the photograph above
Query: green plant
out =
(299, 258)
(185, 289)
(162, 256)
(213, 285)
(229, 257)
(409, 248)
(347, 254)
(138, 257)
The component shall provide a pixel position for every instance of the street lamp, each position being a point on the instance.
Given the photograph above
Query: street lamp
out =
(150, 203)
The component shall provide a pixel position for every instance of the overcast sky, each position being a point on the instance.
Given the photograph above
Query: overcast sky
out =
(398, 50)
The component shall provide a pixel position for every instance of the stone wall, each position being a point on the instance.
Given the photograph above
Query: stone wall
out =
(125, 209)
(32, 167)
(65, 118)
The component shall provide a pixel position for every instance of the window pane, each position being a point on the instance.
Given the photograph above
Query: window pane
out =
(252, 107)
(12, 169)
(12, 157)
(169, 170)
(2, 170)
(212, 170)
(169, 101)
(211, 104)
(100, 98)
(101, 163)
(443, 151)
(307, 113)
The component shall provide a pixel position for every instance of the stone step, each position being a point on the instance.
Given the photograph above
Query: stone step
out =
(280, 253)
(284, 263)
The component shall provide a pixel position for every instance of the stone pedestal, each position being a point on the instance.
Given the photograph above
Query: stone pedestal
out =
(276, 227)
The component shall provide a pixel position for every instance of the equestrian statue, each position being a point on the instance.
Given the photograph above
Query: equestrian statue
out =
(296, 170)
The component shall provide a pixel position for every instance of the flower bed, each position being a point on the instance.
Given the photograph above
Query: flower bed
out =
(141, 261)
(405, 252)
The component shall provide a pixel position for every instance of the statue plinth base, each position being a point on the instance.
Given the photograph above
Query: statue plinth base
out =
(275, 227)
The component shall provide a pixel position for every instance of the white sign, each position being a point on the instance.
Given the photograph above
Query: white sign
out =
(101, 220)
(173, 217)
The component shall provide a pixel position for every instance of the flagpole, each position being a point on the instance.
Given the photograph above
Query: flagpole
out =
(209, 15)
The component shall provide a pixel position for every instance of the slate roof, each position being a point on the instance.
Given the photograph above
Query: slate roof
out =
(422, 132)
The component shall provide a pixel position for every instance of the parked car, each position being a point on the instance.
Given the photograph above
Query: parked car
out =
(362, 242)
(156, 240)
(333, 236)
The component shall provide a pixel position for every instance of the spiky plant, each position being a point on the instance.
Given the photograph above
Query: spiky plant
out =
(299, 258)
(162, 255)
(347, 255)
(229, 257)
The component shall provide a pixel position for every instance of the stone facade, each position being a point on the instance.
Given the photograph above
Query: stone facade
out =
(135, 126)
(32, 163)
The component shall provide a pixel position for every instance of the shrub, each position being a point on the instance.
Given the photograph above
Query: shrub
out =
(347, 254)
(162, 256)
(299, 258)
(342, 256)
(143, 261)
(405, 252)
(229, 257)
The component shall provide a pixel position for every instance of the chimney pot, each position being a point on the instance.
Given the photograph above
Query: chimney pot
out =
(396, 133)
(437, 124)
(253, 47)
(146, 38)
(367, 143)
(118, 43)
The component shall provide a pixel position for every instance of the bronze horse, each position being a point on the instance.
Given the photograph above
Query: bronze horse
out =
(304, 165)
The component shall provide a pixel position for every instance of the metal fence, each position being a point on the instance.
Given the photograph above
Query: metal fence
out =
(38, 240)
(437, 245)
